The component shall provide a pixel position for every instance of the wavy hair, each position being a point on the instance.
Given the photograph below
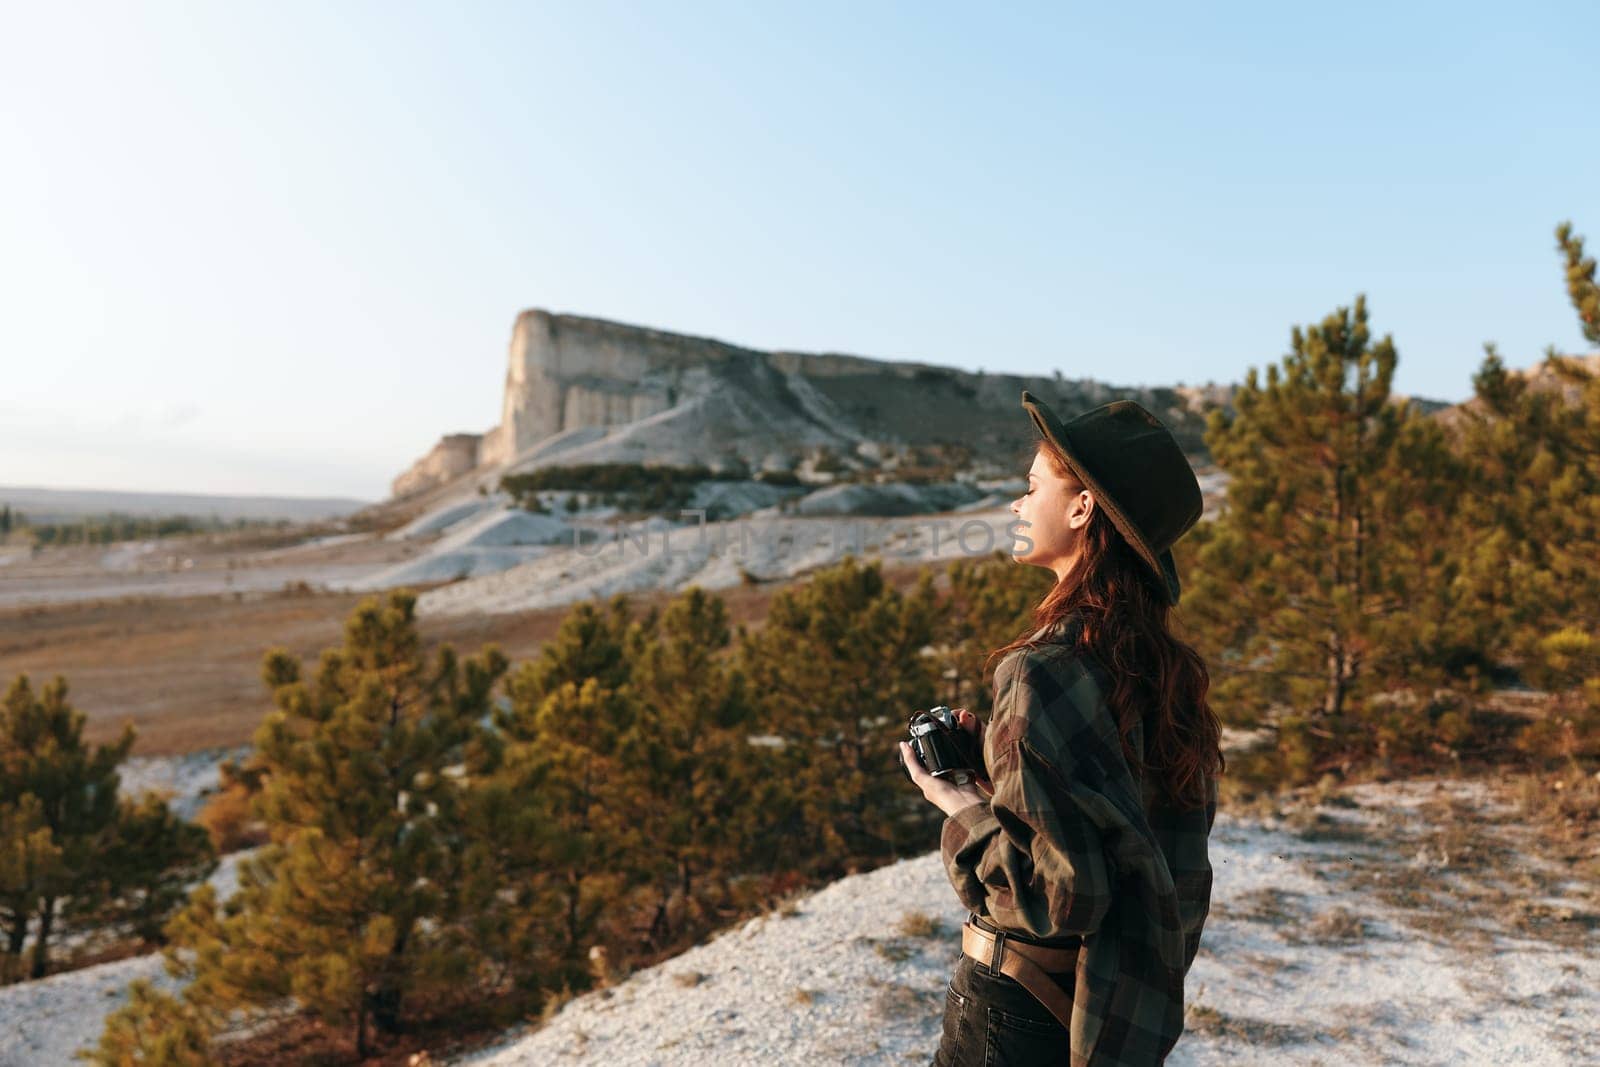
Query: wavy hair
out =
(1124, 622)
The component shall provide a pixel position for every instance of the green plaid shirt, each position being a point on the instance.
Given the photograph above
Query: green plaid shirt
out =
(1071, 844)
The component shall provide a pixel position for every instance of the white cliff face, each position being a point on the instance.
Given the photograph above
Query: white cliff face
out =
(566, 372)
(529, 399)
(453, 456)
(584, 390)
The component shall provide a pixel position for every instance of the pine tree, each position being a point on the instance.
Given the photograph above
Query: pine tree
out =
(353, 909)
(554, 823)
(1577, 494)
(1581, 286)
(690, 755)
(74, 791)
(565, 768)
(590, 643)
(144, 873)
(154, 1029)
(838, 668)
(511, 904)
(1530, 526)
(1534, 529)
(30, 862)
(1569, 650)
(1510, 439)
(1408, 507)
(1305, 579)
(561, 775)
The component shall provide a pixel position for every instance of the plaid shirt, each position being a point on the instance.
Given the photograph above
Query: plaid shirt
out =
(1070, 844)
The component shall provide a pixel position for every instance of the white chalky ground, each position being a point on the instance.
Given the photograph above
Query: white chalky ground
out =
(1265, 988)
(1301, 963)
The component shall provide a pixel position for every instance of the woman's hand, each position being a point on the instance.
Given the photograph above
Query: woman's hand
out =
(975, 726)
(943, 795)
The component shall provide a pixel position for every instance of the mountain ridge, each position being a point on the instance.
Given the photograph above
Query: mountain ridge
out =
(580, 389)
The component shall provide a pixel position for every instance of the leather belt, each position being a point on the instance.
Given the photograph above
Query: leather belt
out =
(1028, 965)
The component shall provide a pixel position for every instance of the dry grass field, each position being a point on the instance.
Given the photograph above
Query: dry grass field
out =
(186, 671)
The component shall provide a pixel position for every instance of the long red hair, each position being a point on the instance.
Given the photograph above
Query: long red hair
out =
(1124, 622)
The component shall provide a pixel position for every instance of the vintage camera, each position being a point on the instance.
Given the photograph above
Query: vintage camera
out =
(943, 747)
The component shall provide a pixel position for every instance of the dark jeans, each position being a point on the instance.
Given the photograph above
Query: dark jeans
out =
(990, 1019)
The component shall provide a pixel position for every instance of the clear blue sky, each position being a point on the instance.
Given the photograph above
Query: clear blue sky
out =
(277, 247)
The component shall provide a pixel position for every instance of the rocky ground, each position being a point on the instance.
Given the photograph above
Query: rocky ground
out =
(1411, 922)
(1415, 922)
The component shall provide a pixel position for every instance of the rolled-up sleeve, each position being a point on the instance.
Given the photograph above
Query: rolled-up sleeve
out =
(1031, 857)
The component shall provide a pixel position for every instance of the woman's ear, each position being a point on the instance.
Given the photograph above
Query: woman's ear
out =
(1080, 509)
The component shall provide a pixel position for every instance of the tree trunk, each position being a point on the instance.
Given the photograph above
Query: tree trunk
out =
(658, 925)
(1333, 697)
(387, 997)
(41, 944)
(572, 910)
(386, 1008)
(17, 936)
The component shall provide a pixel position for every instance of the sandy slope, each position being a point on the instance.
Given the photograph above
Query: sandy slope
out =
(1307, 958)
(43, 1022)
(643, 556)
(1326, 974)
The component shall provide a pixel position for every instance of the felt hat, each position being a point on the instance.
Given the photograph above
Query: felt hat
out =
(1136, 471)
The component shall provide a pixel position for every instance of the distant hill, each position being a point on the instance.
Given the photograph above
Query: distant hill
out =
(64, 505)
(583, 390)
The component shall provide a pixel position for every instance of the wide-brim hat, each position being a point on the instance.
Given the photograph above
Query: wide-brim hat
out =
(1132, 464)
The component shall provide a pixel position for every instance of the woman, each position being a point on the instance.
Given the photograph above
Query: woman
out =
(1083, 857)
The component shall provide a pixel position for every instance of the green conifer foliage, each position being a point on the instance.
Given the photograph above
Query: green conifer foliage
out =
(590, 643)
(1507, 532)
(838, 668)
(154, 1029)
(1530, 528)
(1568, 650)
(71, 850)
(1572, 651)
(558, 822)
(30, 862)
(1581, 287)
(144, 873)
(690, 760)
(1304, 586)
(564, 772)
(74, 791)
(353, 908)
